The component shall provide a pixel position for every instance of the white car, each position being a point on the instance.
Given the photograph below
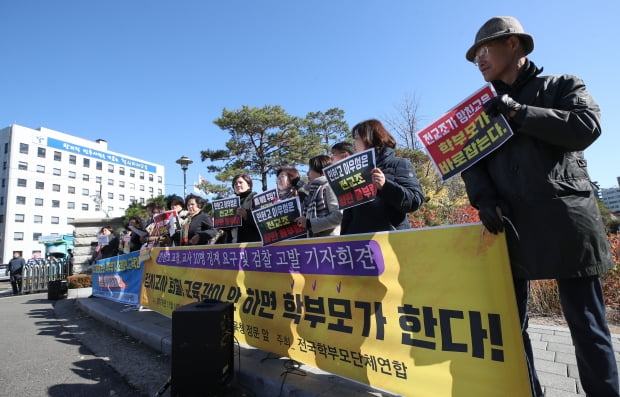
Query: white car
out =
(4, 272)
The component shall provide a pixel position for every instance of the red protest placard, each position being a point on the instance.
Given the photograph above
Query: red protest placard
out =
(464, 135)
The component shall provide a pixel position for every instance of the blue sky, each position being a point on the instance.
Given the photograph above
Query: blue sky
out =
(151, 76)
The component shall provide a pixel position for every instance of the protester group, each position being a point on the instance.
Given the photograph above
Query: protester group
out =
(535, 188)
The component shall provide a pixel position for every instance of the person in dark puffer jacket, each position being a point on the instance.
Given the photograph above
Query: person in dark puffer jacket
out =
(398, 189)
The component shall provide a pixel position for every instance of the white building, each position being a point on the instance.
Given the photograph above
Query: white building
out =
(49, 179)
(611, 199)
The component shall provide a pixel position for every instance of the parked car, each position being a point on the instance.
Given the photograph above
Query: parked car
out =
(4, 272)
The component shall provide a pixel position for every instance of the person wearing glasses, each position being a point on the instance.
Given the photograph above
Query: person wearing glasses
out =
(198, 228)
(538, 180)
(342, 150)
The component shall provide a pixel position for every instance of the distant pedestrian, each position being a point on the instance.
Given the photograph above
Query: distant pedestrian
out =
(16, 268)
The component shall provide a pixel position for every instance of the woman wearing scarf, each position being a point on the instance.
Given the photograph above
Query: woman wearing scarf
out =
(320, 213)
(198, 227)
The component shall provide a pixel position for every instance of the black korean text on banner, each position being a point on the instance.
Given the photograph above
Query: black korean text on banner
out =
(464, 135)
(350, 179)
(265, 198)
(225, 212)
(277, 221)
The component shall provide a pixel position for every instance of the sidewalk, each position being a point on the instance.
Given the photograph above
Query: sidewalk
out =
(553, 352)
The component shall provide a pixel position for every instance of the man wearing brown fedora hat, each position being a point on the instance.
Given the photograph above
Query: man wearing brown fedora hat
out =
(537, 189)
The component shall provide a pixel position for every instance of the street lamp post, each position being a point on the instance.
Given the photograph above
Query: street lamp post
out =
(184, 161)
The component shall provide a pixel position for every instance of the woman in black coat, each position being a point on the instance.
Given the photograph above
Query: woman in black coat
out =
(198, 227)
(247, 232)
(398, 189)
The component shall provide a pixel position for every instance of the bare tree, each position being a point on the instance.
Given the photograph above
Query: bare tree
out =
(404, 123)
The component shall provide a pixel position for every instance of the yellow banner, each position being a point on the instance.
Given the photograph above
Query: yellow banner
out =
(423, 312)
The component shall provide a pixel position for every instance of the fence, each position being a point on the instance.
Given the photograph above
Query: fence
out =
(38, 272)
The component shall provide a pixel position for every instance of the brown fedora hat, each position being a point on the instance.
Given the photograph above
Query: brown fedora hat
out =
(496, 28)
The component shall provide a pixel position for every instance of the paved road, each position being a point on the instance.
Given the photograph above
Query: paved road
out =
(50, 348)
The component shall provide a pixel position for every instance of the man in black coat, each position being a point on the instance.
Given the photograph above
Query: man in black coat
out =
(538, 180)
(16, 268)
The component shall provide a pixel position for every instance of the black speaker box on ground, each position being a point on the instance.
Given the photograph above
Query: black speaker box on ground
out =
(56, 289)
(202, 361)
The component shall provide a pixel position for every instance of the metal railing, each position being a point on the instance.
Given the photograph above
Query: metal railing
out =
(38, 272)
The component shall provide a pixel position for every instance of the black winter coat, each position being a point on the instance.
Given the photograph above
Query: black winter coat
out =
(540, 180)
(248, 231)
(400, 195)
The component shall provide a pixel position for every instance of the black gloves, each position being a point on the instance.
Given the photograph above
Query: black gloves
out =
(491, 218)
(502, 104)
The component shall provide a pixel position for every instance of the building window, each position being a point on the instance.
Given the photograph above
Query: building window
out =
(40, 185)
(110, 195)
(142, 175)
(3, 182)
(71, 205)
(121, 197)
(41, 168)
(132, 173)
(142, 200)
(121, 183)
(121, 170)
(55, 220)
(98, 165)
(141, 188)
(72, 159)
(21, 182)
(70, 220)
(151, 190)
(22, 165)
(110, 209)
(1, 218)
(85, 177)
(18, 236)
(38, 202)
(160, 192)
(72, 174)
(20, 200)
(110, 167)
(71, 189)
(19, 218)
(150, 177)
(85, 192)
(132, 186)
(98, 179)
(159, 179)
(38, 219)
(6, 148)
(55, 203)
(84, 207)
(86, 163)
(4, 165)
(41, 152)
(55, 187)
(36, 235)
(23, 148)
(111, 182)
(57, 156)
(132, 199)
(56, 171)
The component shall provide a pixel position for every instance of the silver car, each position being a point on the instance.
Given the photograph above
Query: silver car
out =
(4, 272)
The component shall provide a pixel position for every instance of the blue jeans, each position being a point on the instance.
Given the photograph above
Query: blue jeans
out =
(583, 305)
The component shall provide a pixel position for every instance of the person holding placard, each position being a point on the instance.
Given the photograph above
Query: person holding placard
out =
(320, 213)
(247, 232)
(398, 188)
(537, 189)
